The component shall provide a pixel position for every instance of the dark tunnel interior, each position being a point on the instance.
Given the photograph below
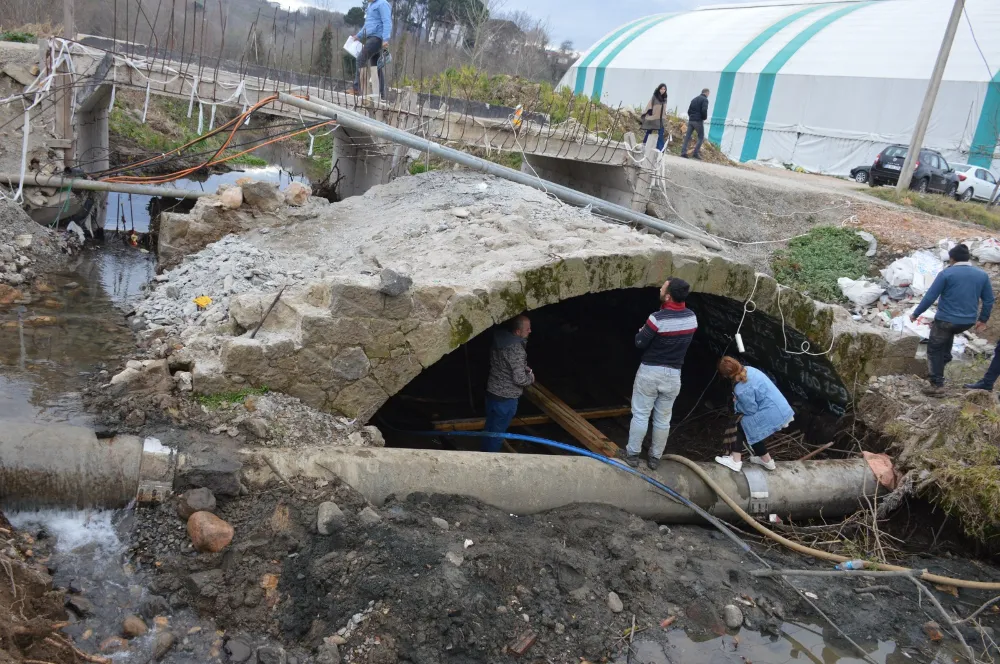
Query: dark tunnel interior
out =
(583, 350)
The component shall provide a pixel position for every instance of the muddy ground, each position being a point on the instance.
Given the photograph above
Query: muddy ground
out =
(445, 579)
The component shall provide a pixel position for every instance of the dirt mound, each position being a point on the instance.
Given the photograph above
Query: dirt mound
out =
(31, 611)
(444, 579)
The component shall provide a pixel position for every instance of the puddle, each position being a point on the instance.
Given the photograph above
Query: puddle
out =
(75, 327)
(88, 554)
(798, 642)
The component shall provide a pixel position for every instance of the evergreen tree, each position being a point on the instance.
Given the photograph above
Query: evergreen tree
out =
(324, 56)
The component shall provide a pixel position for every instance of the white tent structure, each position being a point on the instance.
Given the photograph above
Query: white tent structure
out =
(821, 85)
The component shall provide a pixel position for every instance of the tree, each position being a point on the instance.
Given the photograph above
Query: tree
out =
(355, 17)
(323, 65)
(566, 46)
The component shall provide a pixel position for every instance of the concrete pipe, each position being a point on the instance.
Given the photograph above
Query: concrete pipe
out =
(45, 465)
(526, 484)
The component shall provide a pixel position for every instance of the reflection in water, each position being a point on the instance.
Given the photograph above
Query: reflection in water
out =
(72, 326)
(132, 212)
(797, 643)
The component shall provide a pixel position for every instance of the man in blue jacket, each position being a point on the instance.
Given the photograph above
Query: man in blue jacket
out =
(958, 290)
(375, 36)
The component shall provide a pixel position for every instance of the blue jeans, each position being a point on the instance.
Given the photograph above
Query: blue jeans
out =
(655, 390)
(993, 373)
(939, 346)
(659, 138)
(698, 127)
(499, 413)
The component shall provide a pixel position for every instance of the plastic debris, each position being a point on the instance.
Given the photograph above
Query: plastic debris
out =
(202, 301)
(861, 291)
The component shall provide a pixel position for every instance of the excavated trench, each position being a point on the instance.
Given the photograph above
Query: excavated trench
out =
(582, 350)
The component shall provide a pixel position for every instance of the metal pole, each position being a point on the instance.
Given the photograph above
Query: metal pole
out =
(96, 185)
(932, 89)
(359, 122)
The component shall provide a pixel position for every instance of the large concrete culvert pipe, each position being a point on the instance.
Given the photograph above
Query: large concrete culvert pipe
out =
(529, 483)
(44, 465)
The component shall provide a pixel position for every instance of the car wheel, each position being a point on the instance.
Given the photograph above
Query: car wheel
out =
(922, 186)
(872, 182)
(861, 177)
(967, 195)
(952, 190)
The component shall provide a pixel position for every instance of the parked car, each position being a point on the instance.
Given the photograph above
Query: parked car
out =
(931, 171)
(974, 182)
(860, 174)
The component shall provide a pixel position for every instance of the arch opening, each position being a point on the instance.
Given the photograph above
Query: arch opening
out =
(582, 349)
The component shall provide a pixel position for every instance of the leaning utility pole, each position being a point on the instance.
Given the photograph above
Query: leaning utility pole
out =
(924, 118)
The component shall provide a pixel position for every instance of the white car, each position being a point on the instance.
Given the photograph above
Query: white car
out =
(974, 182)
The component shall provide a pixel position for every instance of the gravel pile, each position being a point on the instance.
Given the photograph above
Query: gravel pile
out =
(219, 271)
(26, 248)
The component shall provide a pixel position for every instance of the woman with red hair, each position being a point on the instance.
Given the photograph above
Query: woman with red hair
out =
(761, 411)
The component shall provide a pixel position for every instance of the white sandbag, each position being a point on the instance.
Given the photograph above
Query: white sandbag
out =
(988, 251)
(899, 273)
(926, 267)
(944, 246)
(861, 292)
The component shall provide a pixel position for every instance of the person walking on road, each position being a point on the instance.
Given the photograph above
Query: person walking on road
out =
(665, 339)
(958, 290)
(761, 411)
(655, 116)
(697, 114)
(509, 375)
(375, 37)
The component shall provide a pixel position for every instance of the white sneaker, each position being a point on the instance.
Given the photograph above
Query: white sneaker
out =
(760, 462)
(727, 461)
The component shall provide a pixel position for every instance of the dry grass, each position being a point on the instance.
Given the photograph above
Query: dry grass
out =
(943, 206)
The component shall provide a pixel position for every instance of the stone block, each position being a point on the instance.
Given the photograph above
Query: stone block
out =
(431, 341)
(393, 375)
(326, 329)
(396, 308)
(430, 302)
(262, 195)
(468, 317)
(659, 268)
(207, 377)
(243, 355)
(360, 399)
(350, 364)
(355, 300)
(297, 194)
(310, 394)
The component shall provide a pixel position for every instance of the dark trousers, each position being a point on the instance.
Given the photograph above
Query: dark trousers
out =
(939, 349)
(735, 440)
(368, 57)
(993, 373)
(698, 127)
(659, 138)
(499, 413)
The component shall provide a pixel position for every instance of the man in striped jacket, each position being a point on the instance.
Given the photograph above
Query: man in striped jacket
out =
(665, 339)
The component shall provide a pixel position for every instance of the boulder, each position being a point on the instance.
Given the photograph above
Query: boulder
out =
(239, 651)
(262, 195)
(205, 586)
(219, 474)
(133, 626)
(209, 533)
(162, 644)
(732, 616)
(369, 517)
(615, 603)
(81, 606)
(113, 644)
(271, 655)
(144, 377)
(184, 380)
(231, 198)
(328, 518)
(328, 653)
(195, 500)
(297, 194)
(393, 284)
(439, 522)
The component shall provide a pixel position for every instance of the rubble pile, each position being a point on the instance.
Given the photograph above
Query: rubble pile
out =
(26, 249)
(891, 299)
(218, 272)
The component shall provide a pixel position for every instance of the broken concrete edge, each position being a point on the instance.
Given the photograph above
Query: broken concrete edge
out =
(529, 484)
(340, 345)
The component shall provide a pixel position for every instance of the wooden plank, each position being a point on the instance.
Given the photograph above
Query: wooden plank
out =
(570, 420)
(478, 423)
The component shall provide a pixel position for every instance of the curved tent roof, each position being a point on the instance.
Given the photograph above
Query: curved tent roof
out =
(824, 85)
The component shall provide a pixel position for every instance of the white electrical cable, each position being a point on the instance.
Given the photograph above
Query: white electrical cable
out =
(201, 118)
(145, 105)
(211, 121)
(194, 92)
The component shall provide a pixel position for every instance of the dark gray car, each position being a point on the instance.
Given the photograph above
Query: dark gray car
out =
(931, 171)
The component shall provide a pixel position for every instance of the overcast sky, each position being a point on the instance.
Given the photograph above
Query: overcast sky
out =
(581, 21)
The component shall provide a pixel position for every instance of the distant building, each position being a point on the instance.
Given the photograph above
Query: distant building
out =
(823, 85)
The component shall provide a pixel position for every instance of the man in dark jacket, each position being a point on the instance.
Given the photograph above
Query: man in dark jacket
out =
(664, 339)
(697, 114)
(509, 375)
(958, 290)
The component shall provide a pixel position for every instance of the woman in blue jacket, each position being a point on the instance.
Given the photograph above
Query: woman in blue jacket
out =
(761, 412)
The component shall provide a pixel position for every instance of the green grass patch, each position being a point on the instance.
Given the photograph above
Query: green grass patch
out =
(18, 36)
(418, 167)
(966, 471)
(813, 263)
(215, 401)
(942, 206)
